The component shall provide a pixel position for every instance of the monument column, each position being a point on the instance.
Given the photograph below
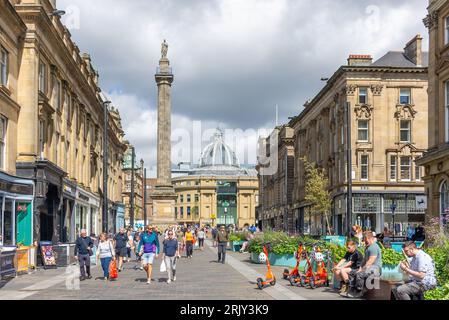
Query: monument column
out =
(164, 196)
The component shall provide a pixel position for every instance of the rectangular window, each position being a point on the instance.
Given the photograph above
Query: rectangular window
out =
(446, 31)
(4, 66)
(188, 211)
(364, 165)
(57, 93)
(417, 173)
(405, 96)
(188, 198)
(3, 123)
(363, 130)
(197, 198)
(363, 95)
(446, 116)
(42, 77)
(42, 138)
(181, 198)
(406, 166)
(406, 130)
(393, 168)
(182, 211)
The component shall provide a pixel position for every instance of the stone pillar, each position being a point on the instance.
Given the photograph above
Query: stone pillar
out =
(164, 195)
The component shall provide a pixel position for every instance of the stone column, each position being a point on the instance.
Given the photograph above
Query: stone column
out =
(164, 195)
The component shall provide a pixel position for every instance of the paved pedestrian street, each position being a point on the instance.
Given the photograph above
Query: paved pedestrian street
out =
(199, 278)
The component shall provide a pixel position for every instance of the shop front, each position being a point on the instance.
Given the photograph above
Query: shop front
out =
(86, 213)
(16, 211)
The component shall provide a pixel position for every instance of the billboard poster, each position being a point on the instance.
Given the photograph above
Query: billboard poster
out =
(48, 256)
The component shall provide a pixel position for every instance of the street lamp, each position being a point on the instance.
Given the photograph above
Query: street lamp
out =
(105, 217)
(57, 13)
(133, 156)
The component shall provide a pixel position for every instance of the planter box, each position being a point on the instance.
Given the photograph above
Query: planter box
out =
(236, 245)
(338, 240)
(392, 273)
(285, 260)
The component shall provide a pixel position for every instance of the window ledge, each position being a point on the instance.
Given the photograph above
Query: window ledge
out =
(4, 89)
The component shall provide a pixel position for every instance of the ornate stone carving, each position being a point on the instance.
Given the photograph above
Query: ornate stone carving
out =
(363, 111)
(431, 20)
(336, 97)
(350, 89)
(405, 111)
(377, 89)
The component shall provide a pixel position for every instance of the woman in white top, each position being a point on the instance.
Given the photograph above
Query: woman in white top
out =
(105, 253)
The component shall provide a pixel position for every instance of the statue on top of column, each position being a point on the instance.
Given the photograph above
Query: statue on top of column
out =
(164, 49)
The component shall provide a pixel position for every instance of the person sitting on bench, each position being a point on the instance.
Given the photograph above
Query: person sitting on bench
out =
(350, 262)
(370, 270)
(421, 272)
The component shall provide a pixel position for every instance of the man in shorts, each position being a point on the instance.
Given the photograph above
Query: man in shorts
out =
(120, 240)
(148, 249)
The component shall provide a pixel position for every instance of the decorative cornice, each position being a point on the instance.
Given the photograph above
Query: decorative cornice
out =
(405, 111)
(350, 89)
(363, 111)
(431, 20)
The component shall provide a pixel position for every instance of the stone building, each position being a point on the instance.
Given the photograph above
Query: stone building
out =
(436, 159)
(138, 186)
(387, 102)
(16, 194)
(218, 190)
(57, 140)
(276, 193)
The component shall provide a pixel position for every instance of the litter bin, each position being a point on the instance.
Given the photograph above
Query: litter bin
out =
(8, 261)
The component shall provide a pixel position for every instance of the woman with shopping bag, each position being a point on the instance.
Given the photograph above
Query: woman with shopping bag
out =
(170, 256)
(106, 254)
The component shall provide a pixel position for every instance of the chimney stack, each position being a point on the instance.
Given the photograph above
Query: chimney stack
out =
(413, 50)
(360, 60)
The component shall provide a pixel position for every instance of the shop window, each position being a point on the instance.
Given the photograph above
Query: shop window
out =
(444, 202)
(405, 96)
(3, 124)
(363, 132)
(8, 223)
(406, 166)
(4, 66)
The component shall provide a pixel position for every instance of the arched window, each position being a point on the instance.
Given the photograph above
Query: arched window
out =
(444, 201)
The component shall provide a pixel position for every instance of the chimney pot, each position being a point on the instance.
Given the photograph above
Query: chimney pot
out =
(360, 60)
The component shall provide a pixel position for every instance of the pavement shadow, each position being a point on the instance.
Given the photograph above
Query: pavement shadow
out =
(142, 280)
(162, 279)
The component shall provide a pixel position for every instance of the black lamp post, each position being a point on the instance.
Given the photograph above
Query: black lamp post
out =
(105, 166)
(133, 156)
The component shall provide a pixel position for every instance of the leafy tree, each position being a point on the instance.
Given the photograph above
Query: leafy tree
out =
(316, 191)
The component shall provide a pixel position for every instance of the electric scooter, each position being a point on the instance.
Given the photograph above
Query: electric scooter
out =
(270, 279)
(320, 278)
(295, 272)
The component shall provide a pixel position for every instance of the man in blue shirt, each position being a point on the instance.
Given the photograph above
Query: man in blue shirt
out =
(149, 249)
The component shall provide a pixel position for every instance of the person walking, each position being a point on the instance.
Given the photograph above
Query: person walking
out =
(171, 254)
(136, 252)
(201, 236)
(121, 239)
(149, 249)
(180, 238)
(188, 239)
(222, 240)
(129, 246)
(106, 254)
(214, 237)
(83, 251)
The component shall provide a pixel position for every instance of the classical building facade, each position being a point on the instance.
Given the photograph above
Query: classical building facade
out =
(436, 159)
(276, 188)
(218, 191)
(138, 186)
(388, 107)
(58, 143)
(16, 194)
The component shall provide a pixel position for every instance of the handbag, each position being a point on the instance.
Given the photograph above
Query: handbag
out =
(91, 253)
(113, 273)
(163, 267)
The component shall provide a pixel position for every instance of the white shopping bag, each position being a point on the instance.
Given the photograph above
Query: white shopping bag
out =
(163, 267)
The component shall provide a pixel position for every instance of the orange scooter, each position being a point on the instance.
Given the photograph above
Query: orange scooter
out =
(319, 278)
(270, 279)
(295, 272)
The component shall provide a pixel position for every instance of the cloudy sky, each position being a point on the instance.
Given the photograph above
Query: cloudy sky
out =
(233, 60)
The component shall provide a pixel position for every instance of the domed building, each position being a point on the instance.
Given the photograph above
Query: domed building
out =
(218, 190)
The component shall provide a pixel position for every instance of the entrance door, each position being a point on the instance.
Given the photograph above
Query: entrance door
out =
(23, 218)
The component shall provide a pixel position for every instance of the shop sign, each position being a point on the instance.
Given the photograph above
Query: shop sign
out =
(83, 197)
(421, 202)
(16, 188)
(48, 256)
